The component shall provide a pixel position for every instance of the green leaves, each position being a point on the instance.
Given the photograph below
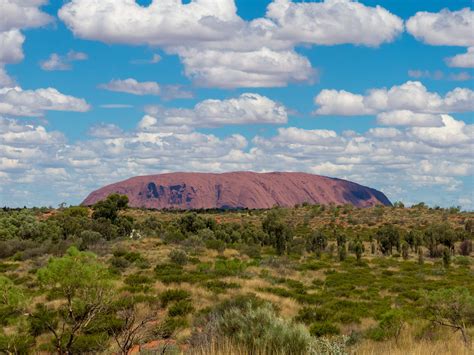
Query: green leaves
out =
(453, 308)
(77, 273)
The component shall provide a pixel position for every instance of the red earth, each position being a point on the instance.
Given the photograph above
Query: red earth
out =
(238, 190)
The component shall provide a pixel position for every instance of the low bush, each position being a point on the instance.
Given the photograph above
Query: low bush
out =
(257, 330)
(181, 308)
(218, 286)
(320, 329)
(178, 257)
(308, 315)
(173, 295)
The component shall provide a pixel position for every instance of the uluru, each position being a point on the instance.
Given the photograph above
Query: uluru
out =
(235, 190)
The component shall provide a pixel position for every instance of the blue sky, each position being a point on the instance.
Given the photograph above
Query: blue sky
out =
(378, 92)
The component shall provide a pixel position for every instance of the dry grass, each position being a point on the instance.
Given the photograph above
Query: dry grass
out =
(407, 344)
(226, 347)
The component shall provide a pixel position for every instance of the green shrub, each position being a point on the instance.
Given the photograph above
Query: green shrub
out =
(173, 295)
(258, 330)
(218, 286)
(308, 315)
(119, 263)
(232, 267)
(170, 326)
(218, 245)
(390, 325)
(178, 257)
(138, 283)
(181, 308)
(320, 329)
(88, 343)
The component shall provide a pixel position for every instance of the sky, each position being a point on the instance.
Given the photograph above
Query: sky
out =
(96, 91)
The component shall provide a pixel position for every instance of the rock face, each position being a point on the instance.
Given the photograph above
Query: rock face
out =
(238, 190)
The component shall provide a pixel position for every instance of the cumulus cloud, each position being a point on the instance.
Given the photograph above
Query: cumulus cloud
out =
(11, 50)
(58, 62)
(220, 49)
(445, 28)
(465, 60)
(341, 102)
(132, 86)
(407, 104)
(334, 22)
(22, 14)
(5, 79)
(17, 15)
(259, 68)
(18, 102)
(452, 132)
(409, 118)
(106, 130)
(246, 109)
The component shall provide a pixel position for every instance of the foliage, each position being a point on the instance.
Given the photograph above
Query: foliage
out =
(83, 284)
(452, 308)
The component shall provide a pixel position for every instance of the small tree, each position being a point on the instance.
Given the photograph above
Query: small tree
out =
(109, 207)
(420, 256)
(278, 231)
(388, 237)
(405, 250)
(132, 323)
(342, 253)
(358, 249)
(317, 242)
(178, 257)
(466, 247)
(83, 284)
(446, 257)
(453, 308)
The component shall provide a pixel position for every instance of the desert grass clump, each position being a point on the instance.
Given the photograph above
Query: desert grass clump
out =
(258, 330)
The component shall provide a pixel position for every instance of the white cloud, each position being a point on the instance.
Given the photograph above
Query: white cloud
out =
(16, 15)
(246, 109)
(17, 102)
(58, 62)
(259, 68)
(156, 58)
(384, 132)
(218, 48)
(418, 74)
(106, 130)
(112, 106)
(334, 22)
(132, 86)
(439, 75)
(408, 118)
(452, 132)
(340, 102)
(410, 99)
(5, 79)
(465, 60)
(445, 28)
(11, 43)
(22, 14)
(330, 169)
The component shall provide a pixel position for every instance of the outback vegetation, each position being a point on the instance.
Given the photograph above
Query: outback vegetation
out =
(305, 280)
